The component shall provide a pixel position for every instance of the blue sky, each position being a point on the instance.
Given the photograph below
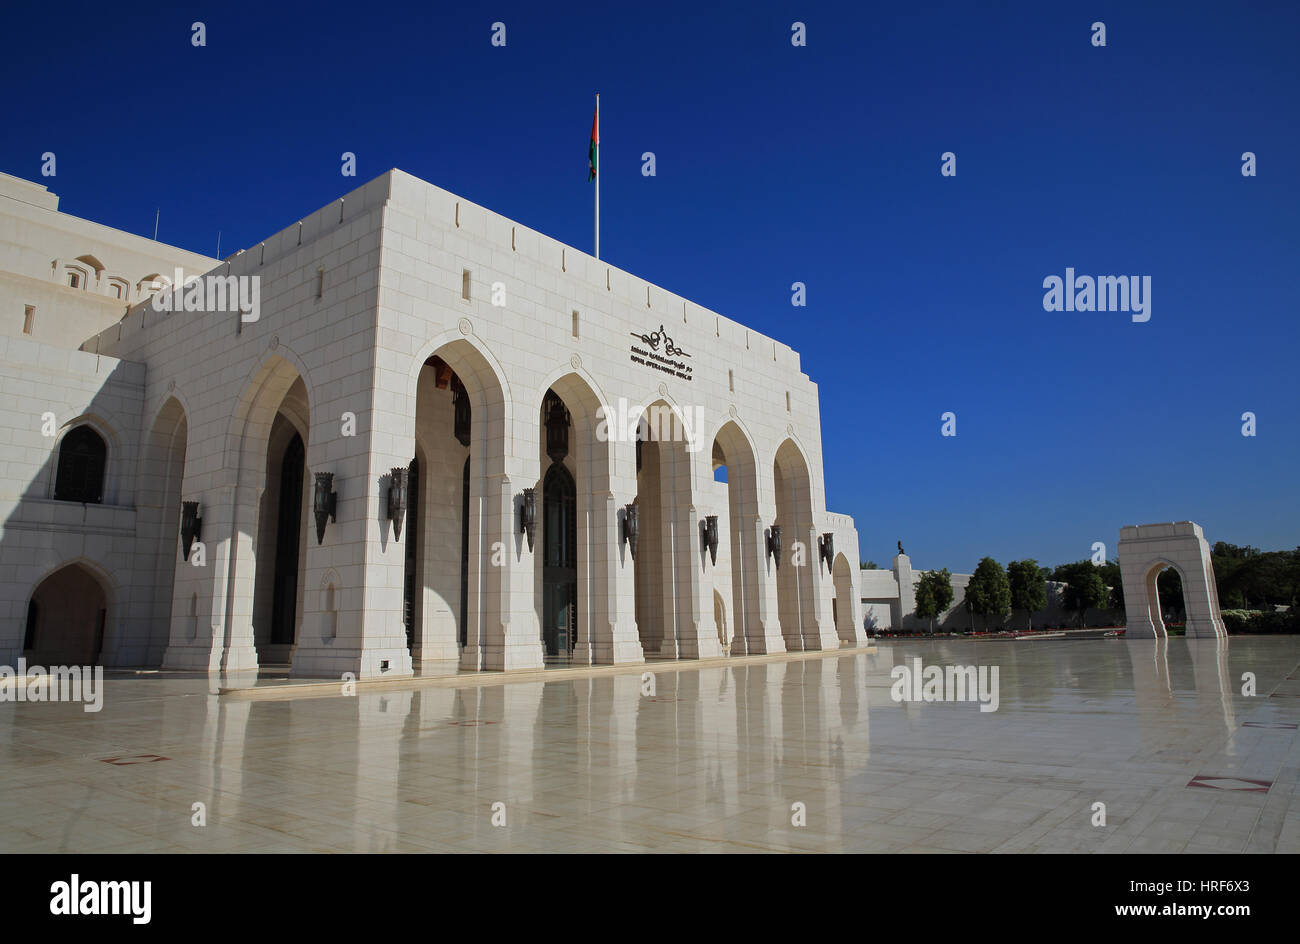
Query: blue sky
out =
(778, 164)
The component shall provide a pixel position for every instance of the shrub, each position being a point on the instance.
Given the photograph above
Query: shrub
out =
(1239, 622)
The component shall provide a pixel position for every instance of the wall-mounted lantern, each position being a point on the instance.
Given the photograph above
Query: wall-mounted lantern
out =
(397, 501)
(191, 525)
(325, 503)
(631, 528)
(709, 527)
(461, 414)
(774, 544)
(529, 515)
(826, 549)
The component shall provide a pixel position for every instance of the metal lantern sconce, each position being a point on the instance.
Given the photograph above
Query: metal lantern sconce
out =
(774, 544)
(397, 501)
(826, 549)
(528, 523)
(709, 526)
(630, 528)
(324, 503)
(191, 525)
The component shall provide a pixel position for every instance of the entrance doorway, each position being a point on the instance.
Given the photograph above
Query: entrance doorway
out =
(559, 564)
(284, 605)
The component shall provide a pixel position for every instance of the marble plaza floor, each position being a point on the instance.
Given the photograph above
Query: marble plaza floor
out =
(714, 761)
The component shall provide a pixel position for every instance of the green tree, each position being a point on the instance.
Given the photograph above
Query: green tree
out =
(933, 594)
(989, 593)
(1084, 587)
(1170, 587)
(868, 565)
(1028, 588)
(1110, 576)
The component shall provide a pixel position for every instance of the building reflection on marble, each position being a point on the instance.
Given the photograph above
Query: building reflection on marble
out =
(713, 761)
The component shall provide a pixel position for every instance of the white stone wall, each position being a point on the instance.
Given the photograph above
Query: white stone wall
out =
(354, 300)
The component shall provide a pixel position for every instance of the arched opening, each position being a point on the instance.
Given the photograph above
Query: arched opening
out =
(83, 455)
(66, 618)
(794, 579)
(282, 532)
(735, 468)
(667, 549)
(453, 400)
(1165, 594)
(580, 561)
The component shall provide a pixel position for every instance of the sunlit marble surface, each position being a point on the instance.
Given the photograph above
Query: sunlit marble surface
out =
(713, 762)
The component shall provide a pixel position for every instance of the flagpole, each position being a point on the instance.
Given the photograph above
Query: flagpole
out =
(597, 175)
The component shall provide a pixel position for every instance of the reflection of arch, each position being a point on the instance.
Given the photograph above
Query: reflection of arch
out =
(83, 459)
(720, 619)
(1144, 551)
(842, 574)
(69, 612)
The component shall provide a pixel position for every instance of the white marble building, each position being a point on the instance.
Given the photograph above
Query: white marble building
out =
(403, 329)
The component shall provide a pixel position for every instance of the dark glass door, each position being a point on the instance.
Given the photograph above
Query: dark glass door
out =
(289, 525)
(559, 564)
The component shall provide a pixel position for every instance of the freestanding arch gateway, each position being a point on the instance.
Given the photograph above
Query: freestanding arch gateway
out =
(1144, 551)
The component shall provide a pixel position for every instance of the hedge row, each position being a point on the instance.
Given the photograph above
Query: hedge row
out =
(1239, 622)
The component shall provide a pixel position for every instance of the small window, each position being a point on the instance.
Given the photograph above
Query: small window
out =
(731, 381)
(320, 282)
(575, 324)
(787, 401)
(464, 284)
(29, 319)
(80, 475)
(74, 280)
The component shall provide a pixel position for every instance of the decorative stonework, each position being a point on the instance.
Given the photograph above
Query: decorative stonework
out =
(466, 326)
(575, 362)
(1144, 551)
(663, 390)
(274, 342)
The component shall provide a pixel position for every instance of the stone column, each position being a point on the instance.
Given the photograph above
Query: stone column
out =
(905, 607)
